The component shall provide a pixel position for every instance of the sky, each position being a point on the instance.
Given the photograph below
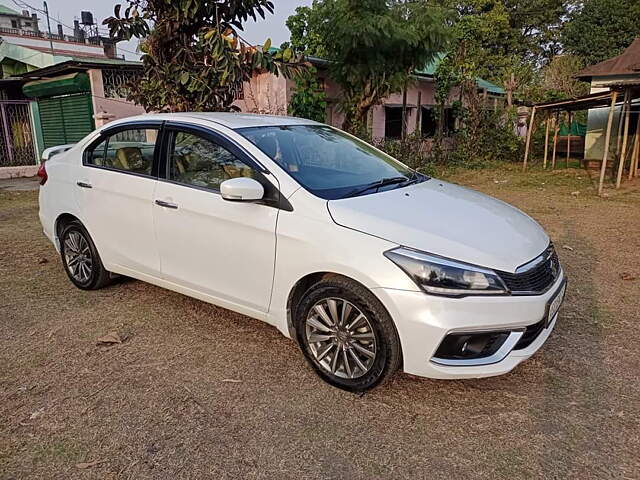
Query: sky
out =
(68, 10)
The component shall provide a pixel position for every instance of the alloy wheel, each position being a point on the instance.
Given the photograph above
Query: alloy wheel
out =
(77, 255)
(341, 338)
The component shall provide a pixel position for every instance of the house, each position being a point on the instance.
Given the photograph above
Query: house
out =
(269, 94)
(612, 142)
(13, 20)
(621, 73)
(25, 48)
(75, 97)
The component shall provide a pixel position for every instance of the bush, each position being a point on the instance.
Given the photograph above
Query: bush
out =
(413, 151)
(308, 100)
(494, 140)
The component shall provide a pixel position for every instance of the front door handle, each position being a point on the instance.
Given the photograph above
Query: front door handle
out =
(166, 204)
(84, 184)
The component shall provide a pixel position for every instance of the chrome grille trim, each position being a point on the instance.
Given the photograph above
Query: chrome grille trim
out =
(534, 277)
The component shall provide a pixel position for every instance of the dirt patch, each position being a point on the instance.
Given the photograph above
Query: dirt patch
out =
(195, 391)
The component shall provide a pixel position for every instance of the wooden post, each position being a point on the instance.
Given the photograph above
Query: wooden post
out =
(546, 142)
(607, 139)
(528, 144)
(635, 158)
(419, 114)
(403, 133)
(622, 109)
(556, 129)
(566, 162)
(625, 136)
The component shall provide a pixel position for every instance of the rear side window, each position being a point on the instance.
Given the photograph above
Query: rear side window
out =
(130, 150)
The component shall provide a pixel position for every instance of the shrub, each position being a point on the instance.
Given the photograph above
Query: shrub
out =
(493, 140)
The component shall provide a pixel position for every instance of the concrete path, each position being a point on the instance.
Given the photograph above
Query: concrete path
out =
(19, 184)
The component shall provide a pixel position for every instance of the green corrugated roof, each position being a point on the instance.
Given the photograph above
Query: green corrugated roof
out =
(431, 68)
(106, 61)
(430, 71)
(8, 11)
(491, 87)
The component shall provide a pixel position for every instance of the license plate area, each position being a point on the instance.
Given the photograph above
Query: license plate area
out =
(553, 305)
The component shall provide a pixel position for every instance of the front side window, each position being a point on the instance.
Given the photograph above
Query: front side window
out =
(197, 161)
(130, 150)
(329, 163)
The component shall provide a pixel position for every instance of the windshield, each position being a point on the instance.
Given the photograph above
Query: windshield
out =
(328, 162)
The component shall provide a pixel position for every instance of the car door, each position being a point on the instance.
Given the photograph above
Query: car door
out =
(115, 192)
(220, 248)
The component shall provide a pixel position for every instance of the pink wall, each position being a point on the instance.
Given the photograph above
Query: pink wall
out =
(266, 94)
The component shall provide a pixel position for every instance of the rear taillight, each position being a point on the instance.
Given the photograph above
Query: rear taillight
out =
(42, 173)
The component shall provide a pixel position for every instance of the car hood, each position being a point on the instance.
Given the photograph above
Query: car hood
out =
(447, 220)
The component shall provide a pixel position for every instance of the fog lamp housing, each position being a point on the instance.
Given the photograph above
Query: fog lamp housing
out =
(475, 348)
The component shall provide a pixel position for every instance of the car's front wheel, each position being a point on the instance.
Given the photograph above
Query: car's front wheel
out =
(347, 335)
(80, 258)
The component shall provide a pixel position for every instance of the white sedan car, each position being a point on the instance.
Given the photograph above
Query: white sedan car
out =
(370, 266)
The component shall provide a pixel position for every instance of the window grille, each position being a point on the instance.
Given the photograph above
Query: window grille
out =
(116, 82)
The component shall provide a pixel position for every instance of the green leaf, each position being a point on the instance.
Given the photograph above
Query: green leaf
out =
(184, 78)
(267, 45)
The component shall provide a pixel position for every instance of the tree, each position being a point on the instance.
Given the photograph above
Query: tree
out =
(304, 26)
(529, 29)
(602, 29)
(372, 46)
(558, 78)
(193, 56)
(538, 24)
(308, 99)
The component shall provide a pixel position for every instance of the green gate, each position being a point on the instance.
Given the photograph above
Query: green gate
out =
(65, 118)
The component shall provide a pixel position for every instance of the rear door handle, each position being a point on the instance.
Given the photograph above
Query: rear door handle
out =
(84, 184)
(166, 204)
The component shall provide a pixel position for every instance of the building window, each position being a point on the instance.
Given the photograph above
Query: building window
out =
(14, 24)
(116, 82)
(392, 122)
(429, 122)
(449, 124)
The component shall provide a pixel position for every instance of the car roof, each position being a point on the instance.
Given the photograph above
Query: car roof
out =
(227, 119)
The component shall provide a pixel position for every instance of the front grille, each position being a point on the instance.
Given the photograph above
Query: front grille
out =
(537, 278)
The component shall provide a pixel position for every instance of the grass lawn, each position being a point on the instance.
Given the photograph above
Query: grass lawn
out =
(196, 391)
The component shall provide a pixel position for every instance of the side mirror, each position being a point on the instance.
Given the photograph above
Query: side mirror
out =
(241, 189)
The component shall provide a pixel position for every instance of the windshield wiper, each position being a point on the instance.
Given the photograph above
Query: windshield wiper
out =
(377, 184)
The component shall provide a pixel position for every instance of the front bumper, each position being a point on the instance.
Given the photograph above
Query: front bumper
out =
(423, 321)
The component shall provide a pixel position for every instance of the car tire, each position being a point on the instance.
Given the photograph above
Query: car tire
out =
(81, 259)
(347, 335)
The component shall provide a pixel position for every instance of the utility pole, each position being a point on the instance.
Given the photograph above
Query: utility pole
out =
(46, 12)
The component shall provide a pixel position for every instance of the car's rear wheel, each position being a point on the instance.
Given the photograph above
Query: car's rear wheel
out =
(80, 258)
(347, 335)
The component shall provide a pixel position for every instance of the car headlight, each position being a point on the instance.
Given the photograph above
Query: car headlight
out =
(442, 276)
